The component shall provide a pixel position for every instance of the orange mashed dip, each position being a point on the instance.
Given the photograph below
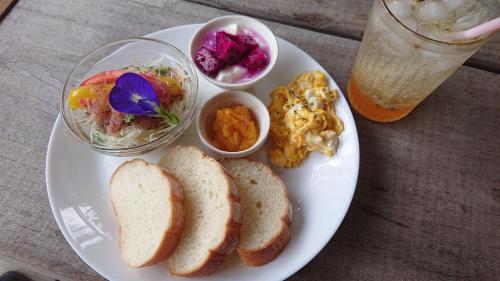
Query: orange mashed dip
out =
(234, 129)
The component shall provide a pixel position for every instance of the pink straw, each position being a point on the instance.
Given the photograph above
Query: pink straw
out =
(479, 30)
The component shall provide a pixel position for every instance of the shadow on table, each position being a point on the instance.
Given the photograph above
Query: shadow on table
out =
(424, 204)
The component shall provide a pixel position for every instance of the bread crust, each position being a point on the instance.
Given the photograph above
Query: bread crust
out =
(217, 255)
(268, 252)
(171, 237)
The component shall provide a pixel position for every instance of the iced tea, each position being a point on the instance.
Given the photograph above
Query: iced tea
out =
(407, 51)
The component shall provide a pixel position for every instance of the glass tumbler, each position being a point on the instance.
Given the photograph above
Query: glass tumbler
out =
(396, 68)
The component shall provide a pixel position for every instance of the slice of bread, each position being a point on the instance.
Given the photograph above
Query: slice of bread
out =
(148, 202)
(213, 218)
(267, 213)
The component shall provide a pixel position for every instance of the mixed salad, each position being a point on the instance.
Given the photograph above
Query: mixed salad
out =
(129, 106)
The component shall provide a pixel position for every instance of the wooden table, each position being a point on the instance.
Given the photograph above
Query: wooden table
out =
(427, 204)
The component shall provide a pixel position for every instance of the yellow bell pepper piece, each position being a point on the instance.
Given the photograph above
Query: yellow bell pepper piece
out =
(172, 84)
(89, 92)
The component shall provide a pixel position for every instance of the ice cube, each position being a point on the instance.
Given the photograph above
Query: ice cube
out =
(400, 8)
(455, 4)
(435, 31)
(376, 23)
(231, 74)
(474, 17)
(431, 10)
(232, 28)
(395, 45)
(430, 29)
(441, 62)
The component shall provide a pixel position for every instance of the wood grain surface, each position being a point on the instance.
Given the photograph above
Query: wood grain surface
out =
(345, 18)
(34, 273)
(427, 204)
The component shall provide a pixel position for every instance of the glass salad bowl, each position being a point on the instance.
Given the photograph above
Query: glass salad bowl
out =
(130, 97)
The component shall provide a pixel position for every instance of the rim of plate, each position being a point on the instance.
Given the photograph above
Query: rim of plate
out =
(284, 273)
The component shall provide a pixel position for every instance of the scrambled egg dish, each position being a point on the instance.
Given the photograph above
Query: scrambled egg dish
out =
(303, 119)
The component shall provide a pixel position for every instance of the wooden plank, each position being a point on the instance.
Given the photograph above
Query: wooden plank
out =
(427, 205)
(345, 18)
(35, 274)
(5, 7)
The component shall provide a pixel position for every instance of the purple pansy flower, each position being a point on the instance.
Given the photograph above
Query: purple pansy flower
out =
(133, 94)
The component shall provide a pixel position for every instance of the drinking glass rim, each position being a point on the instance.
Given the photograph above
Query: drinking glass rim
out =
(464, 43)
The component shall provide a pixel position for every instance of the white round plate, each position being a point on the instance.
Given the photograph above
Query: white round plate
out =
(320, 190)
